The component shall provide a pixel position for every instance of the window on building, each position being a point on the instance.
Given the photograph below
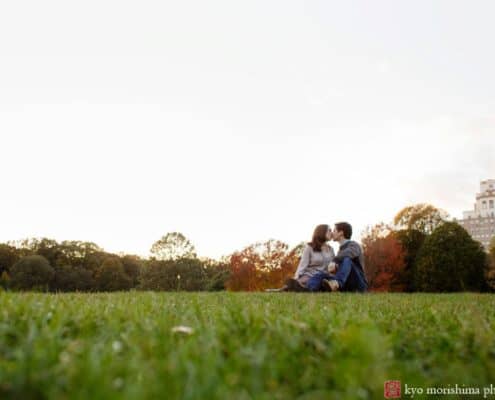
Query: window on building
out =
(483, 205)
(491, 204)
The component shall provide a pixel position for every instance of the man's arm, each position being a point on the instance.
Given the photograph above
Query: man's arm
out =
(352, 250)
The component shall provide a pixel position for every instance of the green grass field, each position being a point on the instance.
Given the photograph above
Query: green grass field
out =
(243, 346)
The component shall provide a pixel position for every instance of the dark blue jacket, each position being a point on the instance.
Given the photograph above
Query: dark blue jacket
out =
(352, 250)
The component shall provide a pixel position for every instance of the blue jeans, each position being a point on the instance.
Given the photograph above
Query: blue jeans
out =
(348, 275)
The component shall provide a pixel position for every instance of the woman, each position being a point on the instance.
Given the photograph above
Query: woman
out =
(317, 256)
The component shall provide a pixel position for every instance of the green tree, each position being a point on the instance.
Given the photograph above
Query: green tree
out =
(65, 253)
(47, 248)
(173, 246)
(132, 267)
(421, 217)
(93, 261)
(112, 277)
(451, 261)
(182, 274)
(70, 278)
(216, 274)
(491, 261)
(31, 272)
(73, 252)
(4, 280)
(9, 255)
(411, 241)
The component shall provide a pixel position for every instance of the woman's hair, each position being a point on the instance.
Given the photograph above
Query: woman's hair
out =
(319, 237)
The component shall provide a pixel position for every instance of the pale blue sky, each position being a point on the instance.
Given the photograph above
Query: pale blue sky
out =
(234, 122)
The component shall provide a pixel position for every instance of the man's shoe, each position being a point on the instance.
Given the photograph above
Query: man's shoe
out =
(331, 285)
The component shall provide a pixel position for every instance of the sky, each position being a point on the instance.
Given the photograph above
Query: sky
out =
(237, 122)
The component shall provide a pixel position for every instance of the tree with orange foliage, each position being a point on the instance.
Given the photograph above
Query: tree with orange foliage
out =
(262, 265)
(384, 259)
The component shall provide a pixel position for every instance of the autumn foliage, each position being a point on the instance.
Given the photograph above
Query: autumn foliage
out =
(384, 259)
(261, 266)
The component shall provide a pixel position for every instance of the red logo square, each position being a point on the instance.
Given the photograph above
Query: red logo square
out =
(391, 389)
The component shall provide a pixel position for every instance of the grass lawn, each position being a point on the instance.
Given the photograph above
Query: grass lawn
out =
(242, 345)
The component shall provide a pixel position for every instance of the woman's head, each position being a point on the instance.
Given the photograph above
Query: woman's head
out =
(321, 235)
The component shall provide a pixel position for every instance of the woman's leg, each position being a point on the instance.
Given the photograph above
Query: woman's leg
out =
(314, 283)
(295, 285)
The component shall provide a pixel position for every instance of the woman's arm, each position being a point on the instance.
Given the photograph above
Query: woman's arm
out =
(304, 263)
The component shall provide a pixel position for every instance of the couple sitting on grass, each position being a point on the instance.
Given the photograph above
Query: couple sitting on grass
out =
(321, 270)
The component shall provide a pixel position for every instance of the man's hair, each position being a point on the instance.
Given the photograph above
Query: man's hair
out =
(344, 227)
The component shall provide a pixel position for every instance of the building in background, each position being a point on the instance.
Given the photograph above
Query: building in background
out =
(480, 222)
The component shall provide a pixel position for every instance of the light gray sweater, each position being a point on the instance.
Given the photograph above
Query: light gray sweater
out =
(314, 261)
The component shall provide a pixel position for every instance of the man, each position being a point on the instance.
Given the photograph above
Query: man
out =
(348, 265)
(346, 272)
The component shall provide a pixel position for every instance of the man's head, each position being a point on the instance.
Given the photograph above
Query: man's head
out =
(342, 231)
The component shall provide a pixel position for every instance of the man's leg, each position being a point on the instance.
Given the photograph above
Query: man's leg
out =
(343, 272)
(349, 277)
(355, 281)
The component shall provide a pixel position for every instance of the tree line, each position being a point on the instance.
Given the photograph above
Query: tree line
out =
(421, 250)
(48, 265)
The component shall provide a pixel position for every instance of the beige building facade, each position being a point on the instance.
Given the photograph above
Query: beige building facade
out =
(480, 222)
